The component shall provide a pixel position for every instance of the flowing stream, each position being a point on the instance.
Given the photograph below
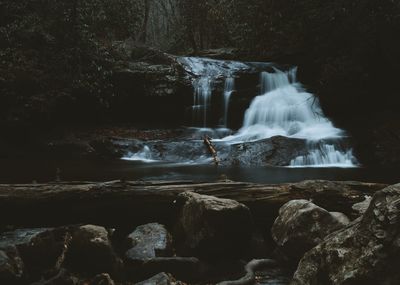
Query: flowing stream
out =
(283, 108)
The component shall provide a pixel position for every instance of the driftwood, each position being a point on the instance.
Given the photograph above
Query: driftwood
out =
(120, 203)
(211, 149)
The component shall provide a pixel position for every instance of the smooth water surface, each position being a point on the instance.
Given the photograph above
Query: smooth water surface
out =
(47, 170)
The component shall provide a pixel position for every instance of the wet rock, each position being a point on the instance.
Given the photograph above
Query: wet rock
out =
(362, 207)
(11, 267)
(70, 147)
(275, 151)
(364, 252)
(91, 251)
(40, 252)
(211, 226)
(105, 147)
(151, 251)
(149, 241)
(220, 53)
(301, 225)
(341, 218)
(159, 279)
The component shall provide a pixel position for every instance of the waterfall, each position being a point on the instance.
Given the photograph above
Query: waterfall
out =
(286, 109)
(272, 81)
(206, 72)
(228, 89)
(326, 155)
(283, 108)
(202, 97)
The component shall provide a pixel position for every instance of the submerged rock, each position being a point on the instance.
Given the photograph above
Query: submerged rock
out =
(149, 241)
(212, 226)
(364, 252)
(301, 225)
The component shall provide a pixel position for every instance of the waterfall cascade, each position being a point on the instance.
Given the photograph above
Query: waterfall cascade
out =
(202, 97)
(286, 109)
(228, 89)
(283, 108)
(325, 155)
(206, 72)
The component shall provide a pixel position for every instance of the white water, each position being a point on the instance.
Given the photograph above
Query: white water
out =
(211, 67)
(143, 155)
(202, 97)
(228, 89)
(286, 109)
(325, 156)
(206, 71)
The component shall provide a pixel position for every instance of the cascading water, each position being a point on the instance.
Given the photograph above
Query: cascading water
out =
(206, 72)
(285, 109)
(228, 89)
(325, 155)
(143, 155)
(202, 96)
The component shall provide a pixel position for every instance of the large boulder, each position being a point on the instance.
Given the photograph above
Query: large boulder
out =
(21, 248)
(149, 241)
(210, 226)
(301, 225)
(91, 251)
(275, 151)
(150, 252)
(365, 252)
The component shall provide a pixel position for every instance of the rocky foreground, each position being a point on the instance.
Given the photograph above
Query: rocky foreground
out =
(317, 232)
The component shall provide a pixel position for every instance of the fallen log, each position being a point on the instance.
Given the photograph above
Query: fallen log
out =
(119, 203)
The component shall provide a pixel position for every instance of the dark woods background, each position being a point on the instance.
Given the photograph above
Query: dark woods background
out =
(57, 58)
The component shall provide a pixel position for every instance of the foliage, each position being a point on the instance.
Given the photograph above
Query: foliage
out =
(57, 55)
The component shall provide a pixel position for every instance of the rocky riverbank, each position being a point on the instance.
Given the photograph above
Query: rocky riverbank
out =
(127, 232)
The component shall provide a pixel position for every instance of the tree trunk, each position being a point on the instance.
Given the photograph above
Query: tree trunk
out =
(133, 203)
(143, 37)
